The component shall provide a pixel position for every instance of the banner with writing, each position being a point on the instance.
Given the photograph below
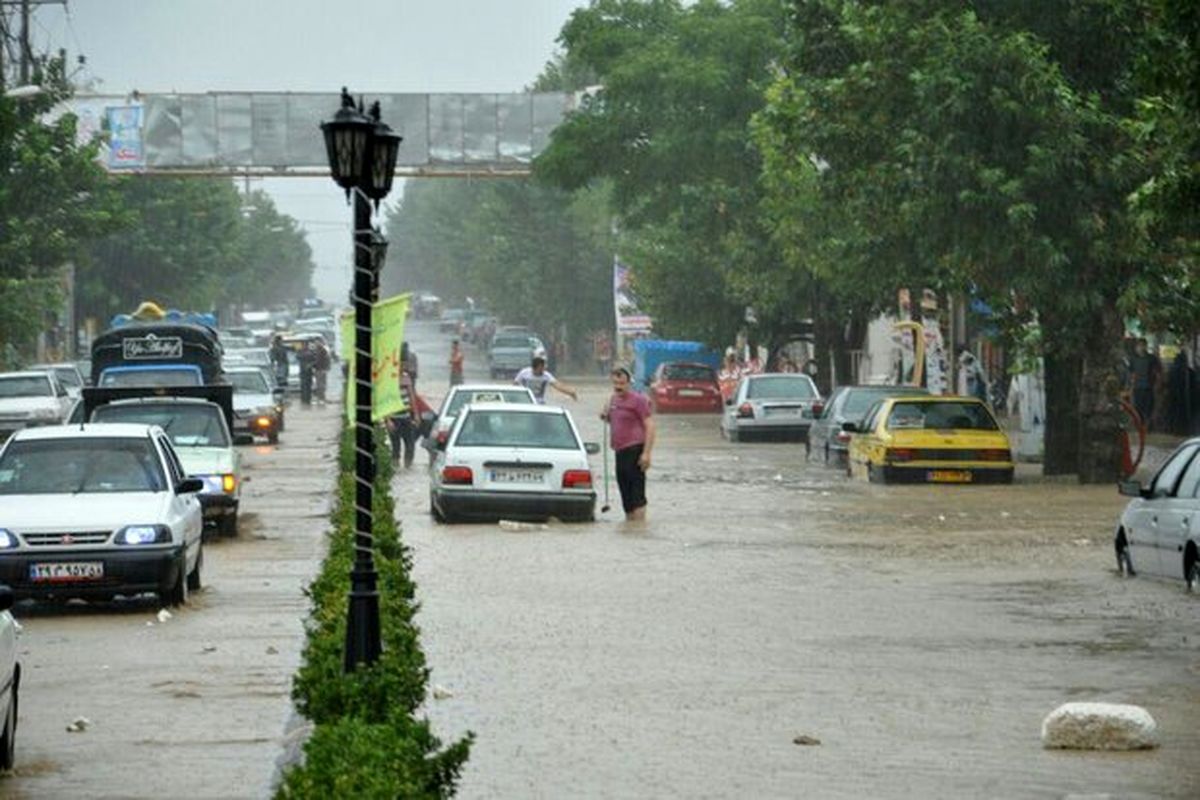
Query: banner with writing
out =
(387, 334)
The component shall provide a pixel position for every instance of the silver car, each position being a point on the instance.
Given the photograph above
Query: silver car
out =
(1159, 530)
(770, 404)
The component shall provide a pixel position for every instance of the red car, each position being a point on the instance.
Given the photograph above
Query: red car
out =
(682, 386)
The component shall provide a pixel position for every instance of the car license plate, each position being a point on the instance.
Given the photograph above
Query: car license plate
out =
(518, 476)
(690, 393)
(65, 572)
(949, 476)
(781, 412)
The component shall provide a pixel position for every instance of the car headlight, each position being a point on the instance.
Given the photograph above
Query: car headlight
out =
(228, 482)
(225, 483)
(8, 540)
(143, 534)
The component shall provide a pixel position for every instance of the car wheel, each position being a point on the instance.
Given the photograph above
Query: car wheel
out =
(1193, 575)
(1124, 562)
(8, 739)
(177, 595)
(433, 510)
(273, 437)
(194, 581)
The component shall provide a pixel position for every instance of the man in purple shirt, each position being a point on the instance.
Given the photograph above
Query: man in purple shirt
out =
(632, 435)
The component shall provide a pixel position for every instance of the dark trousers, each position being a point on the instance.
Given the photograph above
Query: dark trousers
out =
(306, 386)
(403, 435)
(1143, 401)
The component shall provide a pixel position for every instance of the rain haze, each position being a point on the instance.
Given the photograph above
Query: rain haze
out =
(371, 46)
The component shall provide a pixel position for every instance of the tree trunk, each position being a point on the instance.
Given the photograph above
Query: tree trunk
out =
(1062, 373)
(1099, 420)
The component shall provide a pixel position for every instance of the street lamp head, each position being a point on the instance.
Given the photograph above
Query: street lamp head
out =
(348, 144)
(384, 150)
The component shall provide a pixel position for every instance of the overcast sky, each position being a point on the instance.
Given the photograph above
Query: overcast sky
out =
(372, 46)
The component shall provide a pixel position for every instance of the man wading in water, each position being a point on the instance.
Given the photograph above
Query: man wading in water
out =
(632, 436)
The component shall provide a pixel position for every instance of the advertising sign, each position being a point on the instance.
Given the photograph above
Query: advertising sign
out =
(152, 347)
(387, 323)
(630, 320)
(126, 150)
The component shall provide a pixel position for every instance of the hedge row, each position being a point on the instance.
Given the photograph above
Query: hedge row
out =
(367, 741)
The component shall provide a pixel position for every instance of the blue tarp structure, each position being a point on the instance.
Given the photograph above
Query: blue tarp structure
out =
(649, 353)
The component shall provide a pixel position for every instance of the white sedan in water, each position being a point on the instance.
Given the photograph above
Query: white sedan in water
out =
(512, 461)
(98, 510)
(1159, 531)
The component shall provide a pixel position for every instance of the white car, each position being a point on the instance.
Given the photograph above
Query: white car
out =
(68, 375)
(257, 408)
(10, 679)
(203, 442)
(1159, 530)
(512, 461)
(770, 404)
(97, 511)
(32, 398)
(464, 394)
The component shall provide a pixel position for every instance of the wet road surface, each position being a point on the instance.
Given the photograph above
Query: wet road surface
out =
(920, 633)
(195, 706)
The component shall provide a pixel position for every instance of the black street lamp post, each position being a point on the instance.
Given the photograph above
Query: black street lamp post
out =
(362, 160)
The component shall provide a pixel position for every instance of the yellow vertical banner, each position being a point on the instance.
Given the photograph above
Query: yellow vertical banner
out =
(387, 334)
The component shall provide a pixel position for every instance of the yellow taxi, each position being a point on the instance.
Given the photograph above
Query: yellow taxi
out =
(930, 439)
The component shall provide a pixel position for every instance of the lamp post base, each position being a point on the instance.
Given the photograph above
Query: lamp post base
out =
(363, 641)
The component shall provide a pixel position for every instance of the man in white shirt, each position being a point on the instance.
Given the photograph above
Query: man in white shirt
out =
(535, 378)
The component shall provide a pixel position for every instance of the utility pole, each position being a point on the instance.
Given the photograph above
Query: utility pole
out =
(26, 50)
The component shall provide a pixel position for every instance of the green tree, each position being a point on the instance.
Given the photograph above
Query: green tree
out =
(668, 131)
(981, 144)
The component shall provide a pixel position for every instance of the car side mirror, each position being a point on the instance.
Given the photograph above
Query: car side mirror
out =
(189, 486)
(243, 438)
(850, 427)
(7, 598)
(591, 447)
(1132, 489)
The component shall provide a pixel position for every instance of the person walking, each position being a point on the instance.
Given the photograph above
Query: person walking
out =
(632, 432)
(456, 363)
(408, 363)
(308, 359)
(279, 361)
(321, 366)
(402, 427)
(536, 378)
(1144, 369)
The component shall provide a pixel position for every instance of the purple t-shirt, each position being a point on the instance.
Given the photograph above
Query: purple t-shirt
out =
(627, 414)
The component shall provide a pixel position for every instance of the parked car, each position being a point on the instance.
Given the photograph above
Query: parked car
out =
(257, 408)
(512, 351)
(513, 461)
(1158, 533)
(10, 679)
(681, 386)
(97, 511)
(930, 439)
(199, 431)
(826, 437)
(30, 399)
(462, 395)
(770, 404)
(68, 375)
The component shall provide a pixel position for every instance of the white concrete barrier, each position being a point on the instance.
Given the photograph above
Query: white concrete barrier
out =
(1099, 726)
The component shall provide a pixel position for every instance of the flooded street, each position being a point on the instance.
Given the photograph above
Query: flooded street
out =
(920, 633)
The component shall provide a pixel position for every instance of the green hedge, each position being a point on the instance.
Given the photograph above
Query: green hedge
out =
(367, 741)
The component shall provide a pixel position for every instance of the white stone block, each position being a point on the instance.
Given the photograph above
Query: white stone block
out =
(1099, 726)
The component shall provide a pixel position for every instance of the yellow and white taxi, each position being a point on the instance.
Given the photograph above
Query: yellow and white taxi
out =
(930, 439)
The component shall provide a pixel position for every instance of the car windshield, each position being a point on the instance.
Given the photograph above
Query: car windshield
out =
(26, 386)
(782, 387)
(689, 372)
(68, 377)
(512, 341)
(80, 465)
(248, 382)
(151, 377)
(516, 429)
(945, 415)
(859, 400)
(464, 396)
(188, 424)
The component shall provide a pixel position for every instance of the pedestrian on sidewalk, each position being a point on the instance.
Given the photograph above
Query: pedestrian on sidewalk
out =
(1144, 371)
(308, 359)
(408, 363)
(402, 427)
(456, 363)
(322, 363)
(632, 432)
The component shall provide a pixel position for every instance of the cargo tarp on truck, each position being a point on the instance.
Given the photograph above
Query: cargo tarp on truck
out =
(649, 353)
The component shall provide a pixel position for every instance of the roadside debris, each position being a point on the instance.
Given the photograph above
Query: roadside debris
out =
(806, 741)
(441, 692)
(1099, 726)
(163, 615)
(517, 527)
(79, 725)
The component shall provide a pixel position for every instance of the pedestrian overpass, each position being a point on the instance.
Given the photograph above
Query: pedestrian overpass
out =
(276, 134)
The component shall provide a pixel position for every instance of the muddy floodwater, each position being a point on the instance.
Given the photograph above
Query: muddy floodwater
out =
(919, 633)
